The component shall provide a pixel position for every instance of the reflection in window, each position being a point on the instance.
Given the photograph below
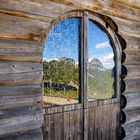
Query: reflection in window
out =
(61, 64)
(100, 63)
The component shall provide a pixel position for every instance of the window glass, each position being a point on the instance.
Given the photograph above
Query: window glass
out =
(61, 64)
(100, 63)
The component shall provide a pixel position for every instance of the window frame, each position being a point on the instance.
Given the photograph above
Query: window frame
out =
(85, 16)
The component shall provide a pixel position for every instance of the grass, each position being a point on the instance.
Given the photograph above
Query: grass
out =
(61, 93)
(74, 94)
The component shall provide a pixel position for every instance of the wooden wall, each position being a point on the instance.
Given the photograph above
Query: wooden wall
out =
(66, 122)
(21, 26)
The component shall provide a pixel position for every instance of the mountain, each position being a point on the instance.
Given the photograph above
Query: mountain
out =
(96, 64)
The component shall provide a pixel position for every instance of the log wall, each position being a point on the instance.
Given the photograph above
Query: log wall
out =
(21, 26)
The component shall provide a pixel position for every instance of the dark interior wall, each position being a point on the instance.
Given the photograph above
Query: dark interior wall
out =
(21, 26)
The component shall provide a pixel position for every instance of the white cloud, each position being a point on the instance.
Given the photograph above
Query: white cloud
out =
(107, 60)
(103, 45)
(50, 59)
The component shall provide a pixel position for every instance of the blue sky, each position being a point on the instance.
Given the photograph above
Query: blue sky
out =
(63, 41)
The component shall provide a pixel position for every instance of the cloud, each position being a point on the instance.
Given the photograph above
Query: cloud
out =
(107, 60)
(50, 59)
(102, 45)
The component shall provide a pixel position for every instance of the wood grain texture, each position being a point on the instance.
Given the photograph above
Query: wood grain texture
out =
(35, 134)
(24, 28)
(133, 137)
(23, 78)
(132, 85)
(132, 114)
(14, 96)
(127, 27)
(132, 129)
(18, 67)
(63, 125)
(114, 8)
(133, 71)
(132, 58)
(133, 99)
(20, 46)
(100, 126)
(20, 119)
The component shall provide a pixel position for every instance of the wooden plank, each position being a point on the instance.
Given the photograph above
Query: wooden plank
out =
(133, 71)
(132, 85)
(132, 128)
(18, 67)
(52, 126)
(80, 124)
(133, 99)
(59, 125)
(107, 7)
(20, 46)
(127, 27)
(21, 57)
(133, 137)
(23, 28)
(23, 78)
(35, 134)
(15, 96)
(20, 119)
(45, 8)
(132, 114)
(22, 22)
(132, 43)
(47, 127)
(75, 125)
(26, 15)
(132, 58)
(66, 126)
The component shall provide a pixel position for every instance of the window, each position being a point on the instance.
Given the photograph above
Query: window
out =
(80, 61)
(61, 63)
(100, 63)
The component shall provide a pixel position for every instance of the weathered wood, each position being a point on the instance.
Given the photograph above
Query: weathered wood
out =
(132, 85)
(23, 78)
(26, 135)
(133, 114)
(133, 43)
(46, 8)
(21, 57)
(132, 129)
(20, 119)
(127, 27)
(23, 28)
(133, 71)
(14, 96)
(102, 122)
(133, 137)
(62, 125)
(22, 22)
(18, 67)
(19, 50)
(133, 99)
(71, 121)
(20, 46)
(113, 8)
(132, 58)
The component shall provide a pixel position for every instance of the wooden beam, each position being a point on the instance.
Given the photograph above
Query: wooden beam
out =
(133, 99)
(110, 7)
(20, 119)
(25, 135)
(16, 96)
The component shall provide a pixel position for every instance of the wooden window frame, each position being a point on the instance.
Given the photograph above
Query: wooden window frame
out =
(85, 17)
